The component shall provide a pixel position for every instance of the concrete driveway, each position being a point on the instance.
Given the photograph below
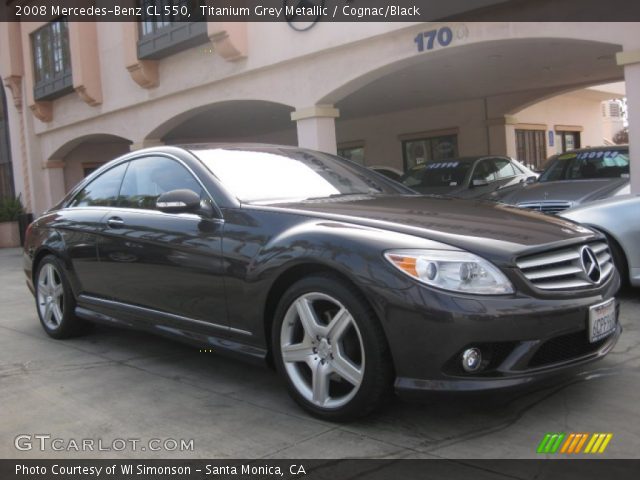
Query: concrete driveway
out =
(117, 384)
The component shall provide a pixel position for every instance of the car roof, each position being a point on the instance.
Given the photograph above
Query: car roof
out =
(596, 149)
(256, 147)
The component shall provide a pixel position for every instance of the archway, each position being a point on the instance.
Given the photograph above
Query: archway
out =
(81, 156)
(254, 121)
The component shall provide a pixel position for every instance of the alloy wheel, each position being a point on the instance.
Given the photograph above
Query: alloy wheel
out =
(322, 350)
(50, 296)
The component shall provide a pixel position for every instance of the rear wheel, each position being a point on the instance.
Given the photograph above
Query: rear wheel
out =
(55, 301)
(330, 349)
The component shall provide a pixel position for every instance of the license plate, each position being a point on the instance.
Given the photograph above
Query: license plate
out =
(602, 320)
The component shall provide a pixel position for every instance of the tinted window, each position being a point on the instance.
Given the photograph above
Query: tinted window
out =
(504, 169)
(290, 174)
(147, 178)
(103, 191)
(587, 164)
(437, 174)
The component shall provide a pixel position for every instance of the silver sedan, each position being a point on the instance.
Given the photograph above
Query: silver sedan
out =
(619, 219)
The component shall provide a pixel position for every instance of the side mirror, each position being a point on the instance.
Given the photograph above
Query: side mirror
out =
(479, 182)
(531, 180)
(179, 201)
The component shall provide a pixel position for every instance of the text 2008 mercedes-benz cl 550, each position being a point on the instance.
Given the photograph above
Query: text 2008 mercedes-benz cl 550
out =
(349, 283)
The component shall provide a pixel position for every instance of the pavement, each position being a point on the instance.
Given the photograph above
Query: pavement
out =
(116, 384)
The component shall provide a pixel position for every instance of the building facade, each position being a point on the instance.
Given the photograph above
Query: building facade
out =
(81, 93)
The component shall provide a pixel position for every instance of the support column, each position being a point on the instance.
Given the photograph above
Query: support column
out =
(501, 136)
(630, 60)
(54, 181)
(317, 127)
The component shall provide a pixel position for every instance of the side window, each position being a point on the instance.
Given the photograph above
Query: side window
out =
(103, 191)
(504, 168)
(149, 177)
(485, 170)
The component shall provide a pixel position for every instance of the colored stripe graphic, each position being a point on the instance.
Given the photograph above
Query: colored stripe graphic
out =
(573, 443)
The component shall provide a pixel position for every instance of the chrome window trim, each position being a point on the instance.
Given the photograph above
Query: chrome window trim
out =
(132, 159)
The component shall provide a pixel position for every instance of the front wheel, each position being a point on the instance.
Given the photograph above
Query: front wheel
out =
(331, 350)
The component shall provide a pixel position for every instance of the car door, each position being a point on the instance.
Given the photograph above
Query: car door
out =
(163, 262)
(81, 223)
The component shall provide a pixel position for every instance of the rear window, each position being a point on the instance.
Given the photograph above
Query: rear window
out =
(587, 164)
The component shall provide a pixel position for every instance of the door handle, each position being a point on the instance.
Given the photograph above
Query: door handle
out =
(115, 222)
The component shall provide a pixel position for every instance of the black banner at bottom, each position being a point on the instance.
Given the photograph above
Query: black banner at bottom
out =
(403, 469)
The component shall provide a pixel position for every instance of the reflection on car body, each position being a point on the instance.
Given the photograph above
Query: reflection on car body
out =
(349, 283)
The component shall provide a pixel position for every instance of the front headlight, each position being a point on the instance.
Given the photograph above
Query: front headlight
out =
(451, 270)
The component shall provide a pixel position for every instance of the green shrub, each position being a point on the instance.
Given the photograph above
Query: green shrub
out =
(10, 209)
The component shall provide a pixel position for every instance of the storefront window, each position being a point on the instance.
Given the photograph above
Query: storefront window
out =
(419, 151)
(567, 141)
(531, 148)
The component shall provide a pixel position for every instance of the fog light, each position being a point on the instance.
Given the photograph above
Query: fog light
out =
(471, 360)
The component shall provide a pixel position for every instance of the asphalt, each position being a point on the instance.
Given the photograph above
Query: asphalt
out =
(116, 384)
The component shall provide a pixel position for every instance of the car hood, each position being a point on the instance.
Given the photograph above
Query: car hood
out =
(487, 228)
(574, 191)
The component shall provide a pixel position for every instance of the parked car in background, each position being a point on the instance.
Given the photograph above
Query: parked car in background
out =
(467, 177)
(389, 172)
(619, 219)
(574, 178)
(348, 283)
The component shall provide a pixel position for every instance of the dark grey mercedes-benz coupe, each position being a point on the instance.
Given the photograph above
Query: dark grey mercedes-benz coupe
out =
(348, 283)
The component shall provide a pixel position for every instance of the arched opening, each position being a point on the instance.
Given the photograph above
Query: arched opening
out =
(6, 168)
(81, 156)
(254, 121)
(465, 100)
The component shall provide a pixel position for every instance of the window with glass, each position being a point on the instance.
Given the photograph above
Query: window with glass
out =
(492, 169)
(103, 191)
(531, 147)
(51, 60)
(169, 26)
(148, 178)
(586, 164)
(567, 140)
(355, 154)
(420, 151)
(292, 175)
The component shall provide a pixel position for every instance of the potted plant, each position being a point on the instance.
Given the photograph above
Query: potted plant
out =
(10, 211)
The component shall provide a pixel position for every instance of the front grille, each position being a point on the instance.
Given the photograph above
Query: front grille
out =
(565, 347)
(566, 268)
(545, 207)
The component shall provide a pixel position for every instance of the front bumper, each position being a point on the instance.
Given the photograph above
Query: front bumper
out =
(524, 338)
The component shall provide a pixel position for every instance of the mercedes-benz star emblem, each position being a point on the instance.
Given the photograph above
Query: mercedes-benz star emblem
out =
(590, 264)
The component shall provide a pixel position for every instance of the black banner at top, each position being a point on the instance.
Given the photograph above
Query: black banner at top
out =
(303, 12)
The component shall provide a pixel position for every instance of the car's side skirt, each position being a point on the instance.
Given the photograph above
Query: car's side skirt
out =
(201, 334)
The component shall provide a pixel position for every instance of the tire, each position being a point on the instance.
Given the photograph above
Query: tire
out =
(55, 302)
(336, 360)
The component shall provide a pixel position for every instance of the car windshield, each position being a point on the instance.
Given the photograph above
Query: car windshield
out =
(586, 164)
(282, 175)
(437, 174)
